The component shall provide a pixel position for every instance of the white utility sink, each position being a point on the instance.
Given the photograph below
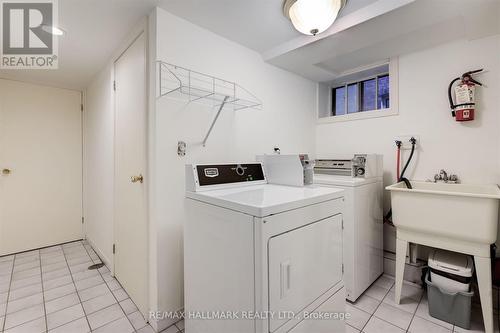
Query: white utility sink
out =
(459, 211)
(456, 217)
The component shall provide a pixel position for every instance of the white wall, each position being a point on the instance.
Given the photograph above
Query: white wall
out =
(99, 164)
(471, 150)
(287, 120)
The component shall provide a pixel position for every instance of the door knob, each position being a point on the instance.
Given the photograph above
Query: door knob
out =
(6, 172)
(136, 179)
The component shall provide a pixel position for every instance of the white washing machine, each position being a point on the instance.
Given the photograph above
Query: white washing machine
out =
(258, 257)
(360, 176)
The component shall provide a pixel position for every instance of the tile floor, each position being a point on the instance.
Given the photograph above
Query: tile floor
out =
(52, 290)
(376, 312)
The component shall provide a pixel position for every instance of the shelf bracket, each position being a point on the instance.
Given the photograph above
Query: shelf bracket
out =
(215, 120)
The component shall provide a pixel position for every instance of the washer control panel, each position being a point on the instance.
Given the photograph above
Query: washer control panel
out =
(352, 167)
(359, 165)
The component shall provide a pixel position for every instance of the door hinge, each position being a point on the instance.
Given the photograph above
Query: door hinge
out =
(342, 224)
(83, 219)
(114, 249)
(81, 107)
(342, 269)
(114, 85)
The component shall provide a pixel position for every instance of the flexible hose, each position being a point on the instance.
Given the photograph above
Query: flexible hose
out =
(450, 98)
(407, 182)
(402, 178)
(413, 143)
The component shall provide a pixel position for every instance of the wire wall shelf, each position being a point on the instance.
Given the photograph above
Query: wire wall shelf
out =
(185, 84)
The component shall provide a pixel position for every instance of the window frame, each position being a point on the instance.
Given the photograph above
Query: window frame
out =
(392, 110)
(333, 101)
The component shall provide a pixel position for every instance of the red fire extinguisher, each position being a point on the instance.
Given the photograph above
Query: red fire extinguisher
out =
(464, 107)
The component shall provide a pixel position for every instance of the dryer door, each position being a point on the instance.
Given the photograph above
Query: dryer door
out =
(303, 264)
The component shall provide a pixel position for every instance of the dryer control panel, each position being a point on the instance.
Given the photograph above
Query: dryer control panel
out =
(202, 176)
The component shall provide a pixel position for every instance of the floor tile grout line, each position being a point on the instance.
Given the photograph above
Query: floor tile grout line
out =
(69, 322)
(92, 298)
(375, 310)
(77, 294)
(56, 270)
(373, 314)
(29, 321)
(27, 269)
(43, 248)
(73, 282)
(388, 322)
(114, 320)
(415, 313)
(180, 330)
(359, 308)
(346, 324)
(107, 307)
(64, 307)
(26, 286)
(116, 299)
(28, 307)
(8, 294)
(76, 291)
(43, 294)
(63, 285)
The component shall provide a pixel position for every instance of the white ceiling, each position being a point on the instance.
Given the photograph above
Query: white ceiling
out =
(94, 29)
(418, 25)
(257, 24)
(366, 31)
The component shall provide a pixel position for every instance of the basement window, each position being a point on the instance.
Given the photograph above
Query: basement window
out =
(365, 93)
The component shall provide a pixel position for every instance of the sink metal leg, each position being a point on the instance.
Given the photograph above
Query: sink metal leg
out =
(483, 271)
(401, 246)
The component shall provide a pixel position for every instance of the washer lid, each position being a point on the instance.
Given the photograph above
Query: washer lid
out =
(267, 199)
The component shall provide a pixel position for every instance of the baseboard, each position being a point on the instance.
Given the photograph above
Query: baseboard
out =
(101, 255)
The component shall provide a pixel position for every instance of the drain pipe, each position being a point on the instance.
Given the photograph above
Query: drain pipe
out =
(413, 248)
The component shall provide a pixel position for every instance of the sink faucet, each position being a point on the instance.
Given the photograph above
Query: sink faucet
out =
(442, 176)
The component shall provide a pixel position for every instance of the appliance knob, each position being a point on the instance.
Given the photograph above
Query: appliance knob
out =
(360, 171)
(240, 170)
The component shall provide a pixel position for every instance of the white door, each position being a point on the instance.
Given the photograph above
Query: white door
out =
(131, 228)
(303, 265)
(40, 166)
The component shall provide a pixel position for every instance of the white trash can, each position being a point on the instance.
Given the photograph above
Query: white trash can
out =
(451, 271)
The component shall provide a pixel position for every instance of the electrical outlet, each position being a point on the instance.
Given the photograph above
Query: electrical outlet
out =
(405, 139)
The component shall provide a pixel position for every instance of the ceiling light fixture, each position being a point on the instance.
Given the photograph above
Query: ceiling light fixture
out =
(53, 30)
(312, 17)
